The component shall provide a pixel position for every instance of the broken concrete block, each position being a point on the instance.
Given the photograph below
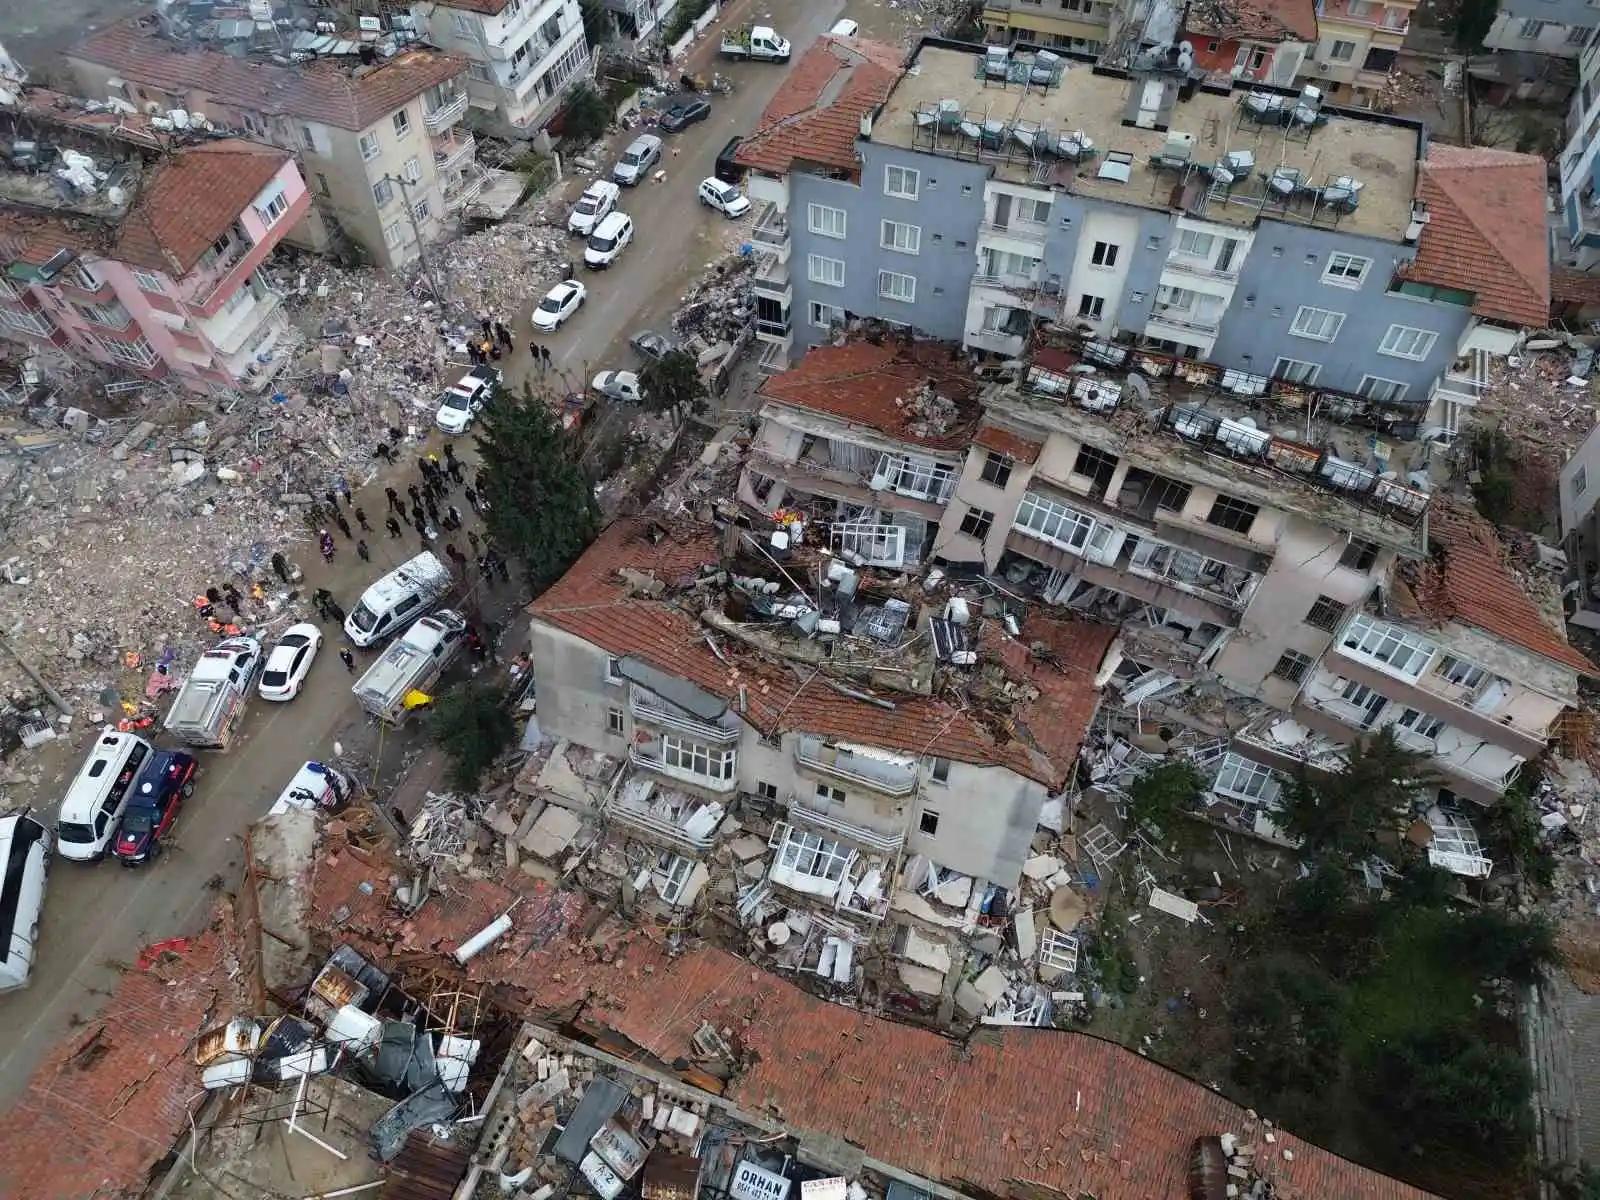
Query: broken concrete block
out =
(1041, 867)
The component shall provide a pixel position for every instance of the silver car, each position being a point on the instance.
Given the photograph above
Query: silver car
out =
(642, 153)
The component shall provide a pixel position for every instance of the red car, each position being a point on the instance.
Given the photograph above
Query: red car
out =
(165, 783)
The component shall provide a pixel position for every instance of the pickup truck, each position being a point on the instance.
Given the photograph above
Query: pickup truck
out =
(758, 43)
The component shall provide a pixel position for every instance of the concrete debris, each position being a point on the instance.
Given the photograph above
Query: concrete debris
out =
(721, 305)
(1536, 399)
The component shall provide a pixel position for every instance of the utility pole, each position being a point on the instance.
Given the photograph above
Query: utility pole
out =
(422, 251)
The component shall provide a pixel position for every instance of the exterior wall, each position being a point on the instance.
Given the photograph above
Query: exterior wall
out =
(1126, 288)
(987, 818)
(1357, 41)
(1578, 503)
(947, 210)
(524, 60)
(1580, 167)
(1264, 62)
(1559, 29)
(1286, 269)
(1082, 25)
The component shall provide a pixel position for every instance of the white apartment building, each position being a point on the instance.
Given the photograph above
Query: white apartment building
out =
(380, 143)
(523, 57)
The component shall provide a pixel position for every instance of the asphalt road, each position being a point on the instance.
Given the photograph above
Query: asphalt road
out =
(97, 917)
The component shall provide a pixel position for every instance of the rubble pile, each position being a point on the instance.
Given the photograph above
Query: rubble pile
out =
(720, 304)
(1536, 398)
(928, 412)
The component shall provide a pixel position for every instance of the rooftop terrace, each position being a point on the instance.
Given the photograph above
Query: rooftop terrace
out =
(1103, 134)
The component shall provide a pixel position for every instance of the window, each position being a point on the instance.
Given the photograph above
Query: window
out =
(829, 794)
(1420, 723)
(826, 316)
(412, 171)
(1194, 244)
(767, 791)
(892, 285)
(369, 147)
(1578, 35)
(1295, 370)
(112, 315)
(1346, 270)
(613, 720)
(139, 353)
(902, 238)
(26, 322)
(392, 234)
(1531, 29)
(1091, 307)
(1246, 780)
(1359, 555)
(695, 758)
(1105, 254)
(828, 271)
(1316, 323)
(1384, 391)
(1580, 477)
(1096, 464)
(1234, 515)
(828, 222)
(1325, 614)
(1293, 666)
(273, 209)
(402, 123)
(977, 522)
(1403, 653)
(613, 669)
(807, 854)
(1463, 674)
(915, 476)
(997, 469)
(901, 182)
(382, 192)
(928, 823)
(1054, 522)
(420, 211)
(152, 283)
(1342, 51)
(1035, 212)
(941, 771)
(1402, 341)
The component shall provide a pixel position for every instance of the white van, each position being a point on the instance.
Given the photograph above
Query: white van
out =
(608, 240)
(93, 804)
(397, 599)
(24, 866)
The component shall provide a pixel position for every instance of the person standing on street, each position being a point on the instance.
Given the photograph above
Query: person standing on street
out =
(331, 501)
(348, 659)
(361, 520)
(393, 527)
(472, 499)
(344, 525)
(361, 549)
(415, 493)
(280, 567)
(394, 500)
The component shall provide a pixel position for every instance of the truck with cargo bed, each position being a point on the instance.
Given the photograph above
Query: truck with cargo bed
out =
(398, 682)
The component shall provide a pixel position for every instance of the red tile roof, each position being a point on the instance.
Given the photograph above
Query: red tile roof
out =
(1038, 737)
(1064, 1111)
(1570, 286)
(868, 385)
(344, 96)
(184, 204)
(816, 114)
(1466, 578)
(112, 1100)
(1486, 231)
(992, 437)
(1256, 20)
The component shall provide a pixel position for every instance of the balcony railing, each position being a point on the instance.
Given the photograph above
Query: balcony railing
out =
(646, 709)
(816, 757)
(464, 191)
(772, 273)
(447, 114)
(659, 828)
(774, 359)
(771, 228)
(1022, 231)
(452, 153)
(888, 843)
(652, 761)
(1183, 319)
(998, 343)
(1199, 270)
(1025, 284)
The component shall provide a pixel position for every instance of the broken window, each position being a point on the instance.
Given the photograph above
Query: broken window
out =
(1097, 465)
(1462, 674)
(977, 523)
(914, 476)
(811, 856)
(830, 795)
(1293, 666)
(1420, 723)
(767, 791)
(1325, 614)
(996, 469)
(1359, 555)
(613, 720)
(1232, 514)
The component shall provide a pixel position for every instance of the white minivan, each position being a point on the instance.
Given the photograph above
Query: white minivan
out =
(607, 240)
(93, 804)
(24, 866)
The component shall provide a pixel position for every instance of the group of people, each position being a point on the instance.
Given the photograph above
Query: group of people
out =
(429, 511)
(495, 342)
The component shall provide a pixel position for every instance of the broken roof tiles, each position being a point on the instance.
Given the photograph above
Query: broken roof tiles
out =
(1486, 231)
(1038, 739)
(1012, 445)
(911, 392)
(815, 116)
(1262, 20)
(1466, 578)
(336, 94)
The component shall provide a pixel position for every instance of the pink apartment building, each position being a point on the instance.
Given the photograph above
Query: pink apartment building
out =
(152, 265)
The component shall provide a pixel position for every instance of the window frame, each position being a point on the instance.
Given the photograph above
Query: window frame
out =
(387, 197)
(1398, 333)
(1369, 641)
(1193, 235)
(401, 120)
(812, 261)
(1247, 781)
(908, 175)
(928, 824)
(685, 754)
(1357, 549)
(145, 280)
(884, 293)
(1095, 304)
(1310, 379)
(377, 145)
(819, 220)
(614, 721)
(1337, 273)
(977, 522)
(1326, 614)
(1236, 508)
(1395, 396)
(887, 242)
(1308, 312)
(812, 312)
(1104, 255)
(997, 468)
(1292, 666)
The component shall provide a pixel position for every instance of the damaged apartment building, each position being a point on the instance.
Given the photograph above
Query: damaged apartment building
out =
(1280, 573)
(742, 719)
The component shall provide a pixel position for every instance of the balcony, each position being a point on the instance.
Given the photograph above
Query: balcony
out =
(772, 279)
(215, 273)
(649, 708)
(1011, 345)
(694, 764)
(460, 192)
(885, 774)
(871, 839)
(1020, 231)
(1022, 285)
(666, 817)
(829, 871)
(1196, 268)
(439, 119)
(1184, 321)
(775, 358)
(228, 331)
(454, 151)
(771, 228)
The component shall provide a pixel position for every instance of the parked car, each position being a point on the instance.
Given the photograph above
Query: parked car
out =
(684, 112)
(165, 783)
(465, 400)
(289, 662)
(598, 199)
(845, 28)
(725, 198)
(650, 344)
(618, 385)
(609, 239)
(642, 153)
(559, 303)
(728, 169)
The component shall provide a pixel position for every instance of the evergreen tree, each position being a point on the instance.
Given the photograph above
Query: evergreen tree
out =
(672, 383)
(472, 726)
(1337, 817)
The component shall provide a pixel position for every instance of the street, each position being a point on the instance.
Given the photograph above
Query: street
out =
(96, 918)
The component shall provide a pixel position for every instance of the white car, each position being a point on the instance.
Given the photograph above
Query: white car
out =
(466, 398)
(290, 662)
(618, 385)
(609, 239)
(845, 28)
(559, 303)
(724, 197)
(598, 199)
